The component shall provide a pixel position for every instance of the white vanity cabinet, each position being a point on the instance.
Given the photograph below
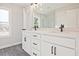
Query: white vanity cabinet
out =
(31, 43)
(47, 49)
(42, 44)
(35, 43)
(26, 42)
(63, 51)
(49, 46)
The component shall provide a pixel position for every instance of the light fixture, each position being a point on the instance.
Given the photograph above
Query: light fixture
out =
(34, 5)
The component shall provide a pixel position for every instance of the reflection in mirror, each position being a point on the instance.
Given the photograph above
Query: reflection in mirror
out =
(46, 21)
(46, 17)
(52, 15)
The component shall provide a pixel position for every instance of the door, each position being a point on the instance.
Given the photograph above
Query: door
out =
(26, 43)
(63, 51)
(47, 49)
(24, 40)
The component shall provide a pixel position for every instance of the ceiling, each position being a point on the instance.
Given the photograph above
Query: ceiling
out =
(41, 6)
(44, 5)
(15, 4)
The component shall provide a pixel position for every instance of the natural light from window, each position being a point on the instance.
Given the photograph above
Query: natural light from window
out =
(4, 20)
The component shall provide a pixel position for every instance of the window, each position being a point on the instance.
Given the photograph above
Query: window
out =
(4, 20)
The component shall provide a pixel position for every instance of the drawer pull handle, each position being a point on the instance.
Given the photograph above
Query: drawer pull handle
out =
(25, 39)
(34, 35)
(55, 51)
(52, 50)
(34, 43)
(23, 29)
(34, 54)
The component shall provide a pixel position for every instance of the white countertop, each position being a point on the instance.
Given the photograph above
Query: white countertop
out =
(71, 33)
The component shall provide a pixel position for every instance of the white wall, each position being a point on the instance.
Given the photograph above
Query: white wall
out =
(16, 20)
(28, 18)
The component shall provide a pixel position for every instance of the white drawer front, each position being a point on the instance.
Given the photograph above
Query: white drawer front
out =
(35, 52)
(47, 38)
(65, 42)
(35, 36)
(36, 44)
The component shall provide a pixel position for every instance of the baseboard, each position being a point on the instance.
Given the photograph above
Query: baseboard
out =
(6, 46)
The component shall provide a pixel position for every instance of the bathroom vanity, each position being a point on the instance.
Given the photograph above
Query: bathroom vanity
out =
(52, 42)
(49, 43)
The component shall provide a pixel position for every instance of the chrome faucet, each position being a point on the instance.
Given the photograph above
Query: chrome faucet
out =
(61, 27)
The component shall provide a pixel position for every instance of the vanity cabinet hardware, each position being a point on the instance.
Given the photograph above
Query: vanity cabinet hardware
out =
(25, 39)
(34, 43)
(34, 54)
(24, 29)
(54, 50)
(34, 35)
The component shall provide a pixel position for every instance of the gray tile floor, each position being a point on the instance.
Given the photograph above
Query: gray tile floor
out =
(13, 51)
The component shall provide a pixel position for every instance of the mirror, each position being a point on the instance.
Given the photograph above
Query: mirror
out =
(52, 15)
(44, 20)
(45, 15)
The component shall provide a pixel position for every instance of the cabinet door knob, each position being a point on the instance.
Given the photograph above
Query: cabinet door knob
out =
(52, 50)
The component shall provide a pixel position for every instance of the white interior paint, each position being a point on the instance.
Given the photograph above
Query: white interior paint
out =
(28, 18)
(14, 4)
(45, 8)
(15, 20)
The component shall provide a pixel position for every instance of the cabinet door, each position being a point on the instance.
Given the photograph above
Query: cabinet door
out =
(47, 49)
(63, 51)
(24, 40)
(26, 44)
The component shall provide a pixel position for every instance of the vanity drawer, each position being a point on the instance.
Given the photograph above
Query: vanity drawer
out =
(35, 52)
(36, 44)
(35, 35)
(67, 42)
(47, 38)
